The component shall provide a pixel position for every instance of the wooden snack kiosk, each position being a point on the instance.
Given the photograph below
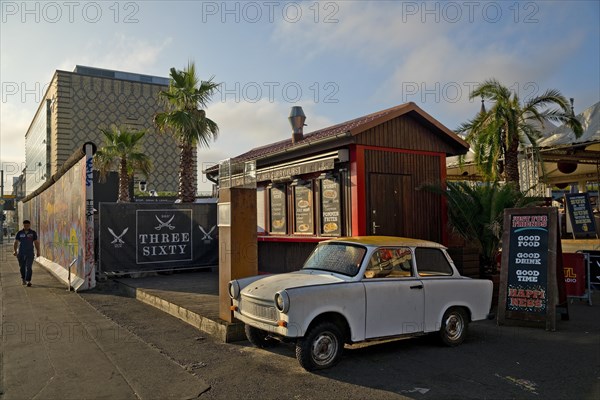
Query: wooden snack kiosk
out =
(359, 177)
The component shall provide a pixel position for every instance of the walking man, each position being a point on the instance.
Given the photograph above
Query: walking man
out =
(25, 240)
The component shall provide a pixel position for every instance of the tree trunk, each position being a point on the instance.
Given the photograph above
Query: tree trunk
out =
(511, 163)
(187, 174)
(123, 183)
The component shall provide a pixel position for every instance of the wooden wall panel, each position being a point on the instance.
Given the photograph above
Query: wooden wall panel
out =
(406, 132)
(277, 257)
(423, 209)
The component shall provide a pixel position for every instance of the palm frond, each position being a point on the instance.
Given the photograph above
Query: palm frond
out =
(185, 119)
(121, 150)
(495, 134)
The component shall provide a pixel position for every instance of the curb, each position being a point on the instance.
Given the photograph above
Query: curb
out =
(221, 330)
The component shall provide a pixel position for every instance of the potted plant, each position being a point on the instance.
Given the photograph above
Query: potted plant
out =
(475, 213)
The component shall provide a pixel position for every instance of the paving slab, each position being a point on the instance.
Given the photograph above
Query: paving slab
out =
(55, 345)
(190, 296)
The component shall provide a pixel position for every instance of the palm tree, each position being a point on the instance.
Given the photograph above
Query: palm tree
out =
(476, 211)
(121, 151)
(496, 134)
(185, 118)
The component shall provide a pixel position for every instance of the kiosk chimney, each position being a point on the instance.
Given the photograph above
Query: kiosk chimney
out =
(297, 119)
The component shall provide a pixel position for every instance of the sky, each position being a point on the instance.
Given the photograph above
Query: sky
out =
(339, 60)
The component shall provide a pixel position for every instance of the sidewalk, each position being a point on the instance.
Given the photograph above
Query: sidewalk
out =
(55, 345)
(190, 296)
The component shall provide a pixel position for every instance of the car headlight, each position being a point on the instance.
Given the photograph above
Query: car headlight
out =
(282, 301)
(234, 289)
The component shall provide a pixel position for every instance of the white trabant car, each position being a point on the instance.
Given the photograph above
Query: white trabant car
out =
(358, 289)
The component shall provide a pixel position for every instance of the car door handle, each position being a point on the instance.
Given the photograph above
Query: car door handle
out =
(417, 287)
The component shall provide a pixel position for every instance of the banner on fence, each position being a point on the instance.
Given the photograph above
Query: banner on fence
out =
(152, 237)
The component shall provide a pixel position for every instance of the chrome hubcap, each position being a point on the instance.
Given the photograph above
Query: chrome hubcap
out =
(454, 326)
(324, 348)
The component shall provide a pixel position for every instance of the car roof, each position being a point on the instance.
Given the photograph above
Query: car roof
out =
(389, 241)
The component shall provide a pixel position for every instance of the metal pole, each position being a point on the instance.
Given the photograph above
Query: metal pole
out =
(1, 206)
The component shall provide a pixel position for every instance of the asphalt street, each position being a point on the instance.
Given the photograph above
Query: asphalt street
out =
(493, 363)
(132, 350)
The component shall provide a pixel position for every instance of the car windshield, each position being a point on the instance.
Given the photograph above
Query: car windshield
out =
(341, 258)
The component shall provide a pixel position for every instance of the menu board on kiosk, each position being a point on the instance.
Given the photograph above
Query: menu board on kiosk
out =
(278, 209)
(303, 203)
(331, 221)
(531, 268)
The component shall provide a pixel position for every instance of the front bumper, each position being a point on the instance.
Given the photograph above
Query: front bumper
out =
(264, 316)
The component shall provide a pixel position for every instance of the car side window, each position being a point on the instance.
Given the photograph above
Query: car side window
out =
(432, 262)
(390, 262)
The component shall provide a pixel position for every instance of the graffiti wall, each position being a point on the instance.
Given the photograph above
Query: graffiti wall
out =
(62, 219)
(64, 224)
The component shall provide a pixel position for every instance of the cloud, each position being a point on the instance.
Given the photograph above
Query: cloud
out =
(371, 31)
(434, 75)
(121, 52)
(434, 53)
(15, 121)
(244, 126)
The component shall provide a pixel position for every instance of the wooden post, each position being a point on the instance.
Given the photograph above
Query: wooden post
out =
(238, 252)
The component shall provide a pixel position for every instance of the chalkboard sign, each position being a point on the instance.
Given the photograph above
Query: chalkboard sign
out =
(278, 209)
(580, 215)
(331, 221)
(528, 264)
(529, 274)
(303, 203)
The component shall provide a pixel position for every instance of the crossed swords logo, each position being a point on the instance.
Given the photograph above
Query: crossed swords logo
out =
(207, 235)
(117, 238)
(164, 224)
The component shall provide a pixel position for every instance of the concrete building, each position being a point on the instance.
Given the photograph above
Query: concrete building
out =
(76, 105)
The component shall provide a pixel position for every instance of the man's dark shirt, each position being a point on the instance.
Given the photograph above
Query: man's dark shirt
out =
(26, 239)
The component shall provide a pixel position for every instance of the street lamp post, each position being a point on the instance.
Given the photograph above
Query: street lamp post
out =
(1, 206)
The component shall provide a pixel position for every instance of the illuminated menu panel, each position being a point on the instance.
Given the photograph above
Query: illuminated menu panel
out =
(331, 222)
(278, 209)
(303, 204)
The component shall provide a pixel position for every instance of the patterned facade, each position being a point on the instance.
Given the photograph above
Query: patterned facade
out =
(78, 104)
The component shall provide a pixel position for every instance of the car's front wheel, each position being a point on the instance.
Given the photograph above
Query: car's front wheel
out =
(259, 338)
(321, 347)
(454, 327)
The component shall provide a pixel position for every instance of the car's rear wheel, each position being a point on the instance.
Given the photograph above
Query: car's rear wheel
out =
(259, 338)
(321, 348)
(454, 327)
